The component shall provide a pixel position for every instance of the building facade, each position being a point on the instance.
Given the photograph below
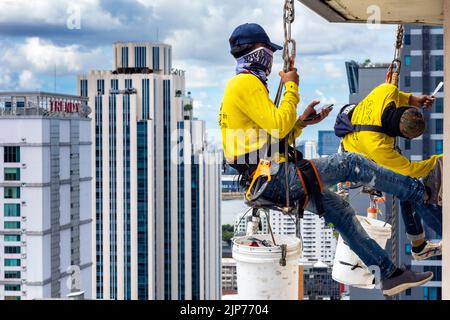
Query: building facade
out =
(319, 284)
(157, 189)
(319, 242)
(328, 143)
(45, 188)
(229, 276)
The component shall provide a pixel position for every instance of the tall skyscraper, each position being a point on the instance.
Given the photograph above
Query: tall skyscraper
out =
(328, 143)
(45, 188)
(157, 190)
(422, 71)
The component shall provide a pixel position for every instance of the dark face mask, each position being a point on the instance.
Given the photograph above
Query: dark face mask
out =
(258, 62)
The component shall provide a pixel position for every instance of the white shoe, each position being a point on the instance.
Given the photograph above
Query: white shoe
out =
(431, 250)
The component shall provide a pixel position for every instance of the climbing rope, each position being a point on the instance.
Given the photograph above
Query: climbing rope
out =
(396, 64)
(289, 53)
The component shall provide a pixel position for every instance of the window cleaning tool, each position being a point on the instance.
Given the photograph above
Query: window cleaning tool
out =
(438, 88)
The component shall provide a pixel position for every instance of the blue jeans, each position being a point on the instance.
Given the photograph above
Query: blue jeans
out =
(413, 214)
(355, 168)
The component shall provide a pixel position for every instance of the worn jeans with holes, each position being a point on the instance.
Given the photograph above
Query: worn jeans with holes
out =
(355, 168)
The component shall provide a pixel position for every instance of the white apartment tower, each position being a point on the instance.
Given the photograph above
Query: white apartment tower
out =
(45, 196)
(157, 219)
(319, 243)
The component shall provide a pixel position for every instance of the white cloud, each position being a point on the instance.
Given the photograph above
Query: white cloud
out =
(27, 80)
(44, 56)
(57, 12)
(331, 70)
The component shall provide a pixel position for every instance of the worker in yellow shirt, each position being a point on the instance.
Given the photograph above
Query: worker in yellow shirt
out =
(371, 127)
(248, 117)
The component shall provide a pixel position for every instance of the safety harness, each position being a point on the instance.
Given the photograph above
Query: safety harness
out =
(344, 126)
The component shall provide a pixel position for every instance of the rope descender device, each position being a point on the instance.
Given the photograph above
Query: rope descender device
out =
(263, 170)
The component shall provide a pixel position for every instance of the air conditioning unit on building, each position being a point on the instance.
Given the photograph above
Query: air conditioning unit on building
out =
(24, 165)
(24, 268)
(24, 243)
(24, 184)
(24, 139)
(24, 203)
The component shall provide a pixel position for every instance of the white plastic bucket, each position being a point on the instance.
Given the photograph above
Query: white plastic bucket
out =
(348, 267)
(259, 273)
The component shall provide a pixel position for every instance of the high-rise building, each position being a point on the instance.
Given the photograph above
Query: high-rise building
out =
(319, 242)
(229, 276)
(422, 71)
(310, 149)
(328, 143)
(45, 196)
(157, 188)
(282, 224)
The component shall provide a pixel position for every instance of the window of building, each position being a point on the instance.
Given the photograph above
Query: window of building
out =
(12, 262)
(11, 192)
(439, 146)
(439, 42)
(408, 292)
(408, 248)
(439, 126)
(11, 237)
(12, 224)
(11, 210)
(12, 250)
(12, 287)
(407, 39)
(439, 63)
(408, 60)
(12, 275)
(439, 105)
(12, 298)
(407, 81)
(11, 154)
(12, 174)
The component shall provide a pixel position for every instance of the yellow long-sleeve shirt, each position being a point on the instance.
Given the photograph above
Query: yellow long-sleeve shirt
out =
(248, 115)
(379, 147)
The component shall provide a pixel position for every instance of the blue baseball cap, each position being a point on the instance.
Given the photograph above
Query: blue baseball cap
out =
(251, 33)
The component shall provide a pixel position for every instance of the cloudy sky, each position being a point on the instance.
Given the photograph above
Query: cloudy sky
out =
(38, 41)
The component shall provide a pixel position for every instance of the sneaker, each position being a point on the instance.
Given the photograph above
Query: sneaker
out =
(407, 280)
(430, 250)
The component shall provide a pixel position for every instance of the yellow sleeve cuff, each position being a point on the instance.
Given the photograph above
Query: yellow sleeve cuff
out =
(291, 86)
(403, 99)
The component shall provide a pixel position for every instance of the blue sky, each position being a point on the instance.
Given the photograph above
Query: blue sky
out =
(36, 43)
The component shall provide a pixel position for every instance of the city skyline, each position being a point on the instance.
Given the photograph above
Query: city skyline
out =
(33, 57)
